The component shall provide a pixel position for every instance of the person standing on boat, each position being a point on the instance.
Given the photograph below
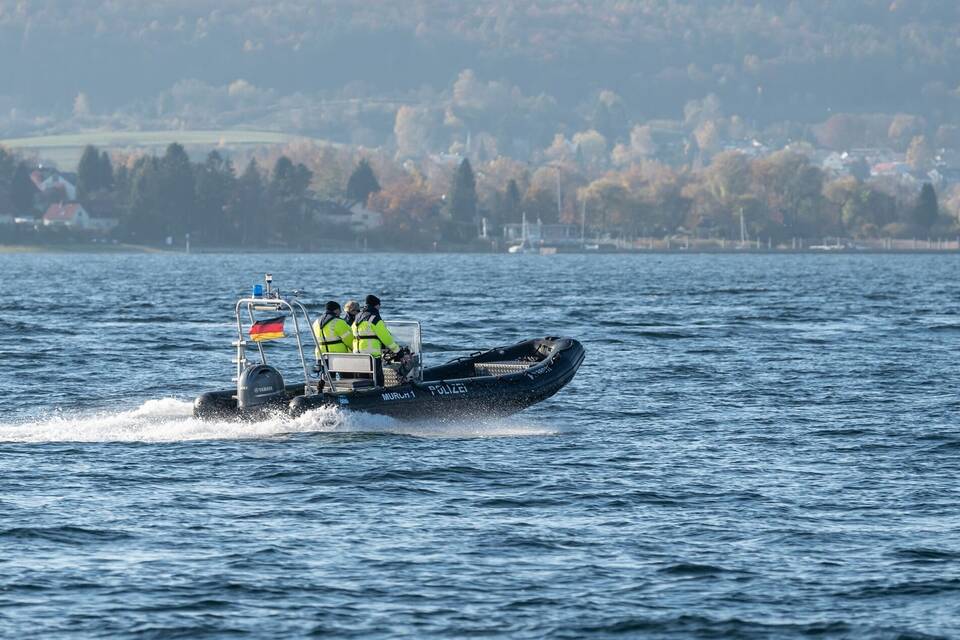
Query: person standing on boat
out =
(332, 333)
(350, 311)
(371, 335)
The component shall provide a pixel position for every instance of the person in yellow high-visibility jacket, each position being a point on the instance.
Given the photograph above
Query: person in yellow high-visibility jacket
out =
(332, 333)
(371, 335)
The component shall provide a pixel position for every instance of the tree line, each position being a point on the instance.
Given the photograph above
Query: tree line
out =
(301, 197)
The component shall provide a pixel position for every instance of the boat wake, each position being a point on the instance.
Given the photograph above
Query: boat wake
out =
(171, 420)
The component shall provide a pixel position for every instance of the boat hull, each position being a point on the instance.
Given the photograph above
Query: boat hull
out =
(494, 383)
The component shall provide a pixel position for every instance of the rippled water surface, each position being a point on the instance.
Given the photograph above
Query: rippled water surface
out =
(755, 446)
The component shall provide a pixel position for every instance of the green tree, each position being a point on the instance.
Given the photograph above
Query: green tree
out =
(288, 193)
(245, 209)
(463, 202)
(215, 181)
(792, 190)
(106, 171)
(144, 218)
(866, 211)
(362, 183)
(927, 209)
(177, 185)
(89, 172)
(508, 204)
(860, 169)
(22, 189)
(121, 184)
(8, 166)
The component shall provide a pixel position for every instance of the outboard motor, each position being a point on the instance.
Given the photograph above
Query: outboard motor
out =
(260, 386)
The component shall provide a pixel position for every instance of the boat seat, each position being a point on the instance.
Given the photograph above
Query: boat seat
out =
(350, 371)
(357, 363)
(500, 368)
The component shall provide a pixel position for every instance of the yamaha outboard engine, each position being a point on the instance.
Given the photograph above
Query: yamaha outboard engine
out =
(260, 386)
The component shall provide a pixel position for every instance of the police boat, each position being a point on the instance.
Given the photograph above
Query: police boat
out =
(492, 383)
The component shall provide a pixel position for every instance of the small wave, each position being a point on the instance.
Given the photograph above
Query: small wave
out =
(922, 555)
(912, 588)
(731, 291)
(691, 625)
(944, 327)
(852, 432)
(65, 534)
(691, 569)
(663, 335)
(171, 420)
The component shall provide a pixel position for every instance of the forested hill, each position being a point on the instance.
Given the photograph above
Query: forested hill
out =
(340, 68)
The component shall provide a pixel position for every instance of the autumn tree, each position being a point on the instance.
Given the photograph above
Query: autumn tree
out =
(791, 189)
(842, 131)
(608, 204)
(411, 214)
(904, 128)
(919, 154)
(861, 209)
(590, 148)
(413, 129)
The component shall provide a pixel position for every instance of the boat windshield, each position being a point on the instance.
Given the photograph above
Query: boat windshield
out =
(406, 333)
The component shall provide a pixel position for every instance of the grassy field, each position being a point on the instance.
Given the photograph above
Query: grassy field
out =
(65, 149)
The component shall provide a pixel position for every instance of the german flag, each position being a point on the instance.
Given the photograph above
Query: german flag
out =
(263, 330)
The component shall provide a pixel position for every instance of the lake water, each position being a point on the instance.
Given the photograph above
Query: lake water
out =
(756, 446)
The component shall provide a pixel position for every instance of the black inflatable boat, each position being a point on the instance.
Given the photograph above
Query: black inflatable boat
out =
(492, 383)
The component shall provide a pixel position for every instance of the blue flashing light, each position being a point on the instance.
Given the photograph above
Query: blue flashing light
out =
(257, 290)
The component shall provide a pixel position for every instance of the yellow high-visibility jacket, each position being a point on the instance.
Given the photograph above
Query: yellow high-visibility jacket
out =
(333, 335)
(371, 335)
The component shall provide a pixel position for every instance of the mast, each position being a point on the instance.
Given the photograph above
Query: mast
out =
(559, 197)
(583, 222)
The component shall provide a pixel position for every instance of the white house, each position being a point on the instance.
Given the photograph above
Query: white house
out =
(56, 181)
(363, 219)
(834, 163)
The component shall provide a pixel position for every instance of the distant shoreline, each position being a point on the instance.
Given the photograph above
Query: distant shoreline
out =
(146, 249)
(79, 248)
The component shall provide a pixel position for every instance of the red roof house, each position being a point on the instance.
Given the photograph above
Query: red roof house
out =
(71, 214)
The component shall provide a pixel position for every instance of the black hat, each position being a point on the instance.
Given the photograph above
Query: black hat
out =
(372, 301)
(333, 306)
